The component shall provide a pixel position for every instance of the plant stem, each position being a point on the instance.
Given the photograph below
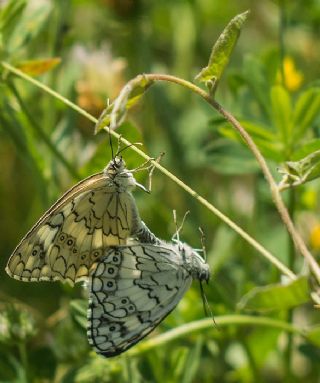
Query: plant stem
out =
(251, 361)
(291, 259)
(282, 27)
(206, 324)
(48, 90)
(275, 193)
(23, 358)
(200, 199)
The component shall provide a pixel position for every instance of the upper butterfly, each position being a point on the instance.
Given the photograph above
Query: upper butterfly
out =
(133, 288)
(64, 244)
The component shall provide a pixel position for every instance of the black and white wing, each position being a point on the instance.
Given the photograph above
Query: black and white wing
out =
(132, 289)
(61, 245)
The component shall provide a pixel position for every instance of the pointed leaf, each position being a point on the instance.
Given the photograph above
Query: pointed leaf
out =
(114, 114)
(299, 172)
(277, 296)
(313, 335)
(140, 87)
(309, 147)
(79, 308)
(9, 15)
(282, 111)
(30, 25)
(267, 142)
(228, 157)
(221, 51)
(39, 66)
(306, 110)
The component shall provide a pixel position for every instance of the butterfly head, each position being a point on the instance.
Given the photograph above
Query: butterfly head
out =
(119, 174)
(198, 268)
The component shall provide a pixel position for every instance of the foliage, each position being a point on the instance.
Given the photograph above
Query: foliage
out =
(87, 52)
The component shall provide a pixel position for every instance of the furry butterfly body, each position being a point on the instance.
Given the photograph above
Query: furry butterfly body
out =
(98, 212)
(133, 288)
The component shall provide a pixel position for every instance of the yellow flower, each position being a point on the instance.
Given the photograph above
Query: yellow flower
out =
(293, 78)
(315, 237)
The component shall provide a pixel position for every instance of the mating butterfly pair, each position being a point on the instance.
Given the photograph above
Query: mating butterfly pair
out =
(84, 235)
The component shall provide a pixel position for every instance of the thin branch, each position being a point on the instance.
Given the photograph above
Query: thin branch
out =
(276, 196)
(200, 199)
(206, 324)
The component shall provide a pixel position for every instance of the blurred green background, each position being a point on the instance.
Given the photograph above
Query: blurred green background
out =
(272, 82)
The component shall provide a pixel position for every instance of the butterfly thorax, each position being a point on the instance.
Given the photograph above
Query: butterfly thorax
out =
(195, 264)
(120, 177)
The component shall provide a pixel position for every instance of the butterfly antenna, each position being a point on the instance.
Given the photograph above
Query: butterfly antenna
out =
(151, 170)
(203, 244)
(206, 307)
(109, 133)
(118, 146)
(126, 147)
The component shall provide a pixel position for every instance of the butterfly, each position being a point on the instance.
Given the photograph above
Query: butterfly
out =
(133, 288)
(67, 241)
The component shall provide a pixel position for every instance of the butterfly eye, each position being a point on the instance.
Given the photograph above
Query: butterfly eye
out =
(131, 308)
(110, 285)
(70, 242)
(62, 237)
(114, 327)
(111, 270)
(37, 251)
(96, 253)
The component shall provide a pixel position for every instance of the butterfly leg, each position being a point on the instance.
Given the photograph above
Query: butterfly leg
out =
(145, 235)
(176, 236)
(147, 165)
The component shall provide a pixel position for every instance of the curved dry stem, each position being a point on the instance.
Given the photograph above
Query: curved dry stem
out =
(285, 270)
(297, 239)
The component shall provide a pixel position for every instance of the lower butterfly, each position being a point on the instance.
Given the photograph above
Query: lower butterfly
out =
(133, 288)
(65, 243)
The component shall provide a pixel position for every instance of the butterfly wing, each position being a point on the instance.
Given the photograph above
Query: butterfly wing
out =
(132, 289)
(91, 215)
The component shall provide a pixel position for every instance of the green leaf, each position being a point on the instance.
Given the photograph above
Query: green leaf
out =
(277, 296)
(9, 16)
(267, 142)
(221, 52)
(299, 172)
(192, 362)
(227, 157)
(306, 110)
(30, 25)
(79, 309)
(308, 148)
(114, 114)
(255, 75)
(142, 84)
(313, 335)
(282, 112)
